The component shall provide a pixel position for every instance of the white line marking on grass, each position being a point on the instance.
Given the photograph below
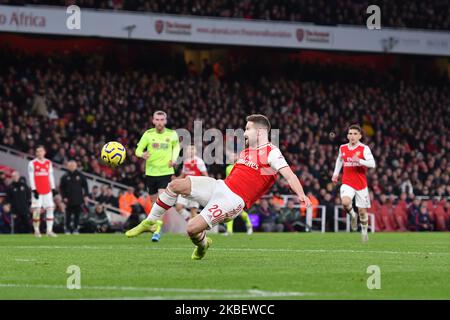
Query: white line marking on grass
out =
(231, 249)
(25, 260)
(196, 293)
(211, 297)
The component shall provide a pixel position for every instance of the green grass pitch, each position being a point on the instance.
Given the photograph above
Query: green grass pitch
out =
(260, 266)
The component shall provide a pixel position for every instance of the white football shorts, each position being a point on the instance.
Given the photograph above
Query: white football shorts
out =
(219, 203)
(187, 203)
(362, 196)
(44, 201)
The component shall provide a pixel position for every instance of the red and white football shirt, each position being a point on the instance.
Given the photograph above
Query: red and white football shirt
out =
(41, 177)
(354, 174)
(194, 167)
(255, 172)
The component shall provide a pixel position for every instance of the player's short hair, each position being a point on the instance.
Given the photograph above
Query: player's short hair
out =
(356, 127)
(160, 113)
(260, 120)
(39, 146)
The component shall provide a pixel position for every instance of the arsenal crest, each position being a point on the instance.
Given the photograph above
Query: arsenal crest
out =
(159, 26)
(300, 35)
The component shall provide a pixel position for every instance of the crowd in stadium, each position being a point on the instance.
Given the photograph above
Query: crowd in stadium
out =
(73, 108)
(74, 113)
(429, 14)
(406, 213)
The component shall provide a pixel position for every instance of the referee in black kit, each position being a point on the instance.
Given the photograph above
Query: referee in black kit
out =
(74, 189)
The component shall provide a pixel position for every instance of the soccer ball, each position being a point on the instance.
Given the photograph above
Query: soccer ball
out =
(113, 154)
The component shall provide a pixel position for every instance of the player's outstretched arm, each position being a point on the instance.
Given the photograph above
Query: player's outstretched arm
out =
(295, 185)
(337, 168)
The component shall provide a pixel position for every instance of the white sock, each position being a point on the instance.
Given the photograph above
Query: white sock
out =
(364, 226)
(199, 239)
(50, 218)
(36, 219)
(352, 213)
(164, 202)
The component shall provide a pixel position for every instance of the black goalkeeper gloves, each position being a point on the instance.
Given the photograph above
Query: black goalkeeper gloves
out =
(35, 194)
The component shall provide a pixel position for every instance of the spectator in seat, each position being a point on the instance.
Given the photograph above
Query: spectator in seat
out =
(5, 217)
(447, 224)
(60, 157)
(84, 224)
(268, 218)
(413, 213)
(314, 202)
(440, 216)
(423, 219)
(126, 201)
(98, 221)
(95, 193)
(289, 215)
(39, 107)
(387, 213)
(144, 200)
(419, 217)
(103, 196)
(376, 210)
(401, 213)
(108, 197)
(60, 214)
(277, 201)
(404, 201)
(3, 184)
(431, 206)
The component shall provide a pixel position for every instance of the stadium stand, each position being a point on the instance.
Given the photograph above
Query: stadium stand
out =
(429, 14)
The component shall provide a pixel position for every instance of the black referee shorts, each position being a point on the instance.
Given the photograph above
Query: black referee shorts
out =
(154, 183)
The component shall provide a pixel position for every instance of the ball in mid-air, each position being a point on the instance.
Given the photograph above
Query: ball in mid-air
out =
(113, 154)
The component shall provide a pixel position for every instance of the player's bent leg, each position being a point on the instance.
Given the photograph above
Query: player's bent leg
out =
(346, 202)
(49, 219)
(157, 234)
(194, 212)
(159, 223)
(196, 230)
(229, 226)
(164, 202)
(248, 223)
(181, 186)
(348, 207)
(36, 221)
(363, 217)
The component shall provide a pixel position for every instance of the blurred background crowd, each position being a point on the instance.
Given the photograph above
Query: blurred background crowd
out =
(424, 14)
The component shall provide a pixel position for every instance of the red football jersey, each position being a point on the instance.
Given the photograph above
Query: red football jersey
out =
(255, 172)
(194, 167)
(40, 174)
(354, 173)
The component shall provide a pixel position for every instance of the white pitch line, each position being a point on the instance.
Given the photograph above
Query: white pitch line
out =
(201, 293)
(231, 249)
(206, 297)
(25, 260)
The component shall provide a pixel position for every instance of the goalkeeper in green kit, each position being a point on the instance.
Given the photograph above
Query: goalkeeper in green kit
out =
(160, 147)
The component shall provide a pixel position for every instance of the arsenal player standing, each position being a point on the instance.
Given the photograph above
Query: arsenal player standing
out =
(42, 181)
(356, 158)
(252, 176)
